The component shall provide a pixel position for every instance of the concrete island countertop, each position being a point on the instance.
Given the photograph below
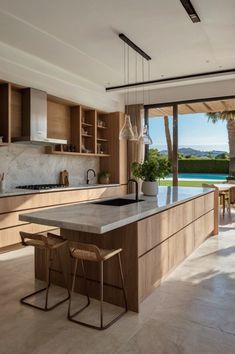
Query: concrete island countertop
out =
(98, 219)
(18, 191)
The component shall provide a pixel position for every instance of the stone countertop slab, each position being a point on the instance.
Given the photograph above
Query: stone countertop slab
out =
(18, 191)
(98, 219)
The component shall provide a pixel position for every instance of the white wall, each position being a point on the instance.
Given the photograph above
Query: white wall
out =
(21, 68)
(27, 164)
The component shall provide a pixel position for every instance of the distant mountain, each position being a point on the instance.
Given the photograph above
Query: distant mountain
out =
(194, 152)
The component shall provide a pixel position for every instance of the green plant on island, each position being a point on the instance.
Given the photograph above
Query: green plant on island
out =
(151, 170)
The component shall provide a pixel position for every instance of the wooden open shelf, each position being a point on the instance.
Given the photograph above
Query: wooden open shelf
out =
(87, 136)
(100, 139)
(50, 150)
(87, 124)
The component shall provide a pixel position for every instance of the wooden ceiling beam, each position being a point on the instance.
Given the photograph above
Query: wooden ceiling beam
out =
(208, 107)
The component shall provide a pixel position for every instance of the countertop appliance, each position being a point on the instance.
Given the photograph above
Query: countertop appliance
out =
(41, 186)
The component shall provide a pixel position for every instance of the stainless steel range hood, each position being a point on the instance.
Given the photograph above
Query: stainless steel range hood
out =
(34, 119)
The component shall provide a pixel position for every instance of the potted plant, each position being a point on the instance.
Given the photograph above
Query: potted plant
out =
(104, 177)
(150, 171)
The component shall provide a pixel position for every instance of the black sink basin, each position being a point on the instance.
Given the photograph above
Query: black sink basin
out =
(118, 202)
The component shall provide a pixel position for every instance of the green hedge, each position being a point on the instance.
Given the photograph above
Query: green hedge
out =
(203, 166)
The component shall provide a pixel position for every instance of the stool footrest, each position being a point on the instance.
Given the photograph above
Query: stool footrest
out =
(45, 308)
(71, 318)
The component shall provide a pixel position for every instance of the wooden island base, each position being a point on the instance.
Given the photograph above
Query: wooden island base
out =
(152, 247)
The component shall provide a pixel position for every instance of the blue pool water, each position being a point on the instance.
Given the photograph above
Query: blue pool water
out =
(203, 176)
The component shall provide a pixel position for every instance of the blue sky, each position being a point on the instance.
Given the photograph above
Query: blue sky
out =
(194, 131)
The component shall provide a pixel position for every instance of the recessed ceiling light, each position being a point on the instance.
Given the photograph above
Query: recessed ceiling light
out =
(190, 10)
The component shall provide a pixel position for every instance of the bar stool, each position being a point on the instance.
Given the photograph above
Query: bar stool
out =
(91, 253)
(51, 244)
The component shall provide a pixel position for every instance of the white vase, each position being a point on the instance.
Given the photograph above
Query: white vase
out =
(150, 188)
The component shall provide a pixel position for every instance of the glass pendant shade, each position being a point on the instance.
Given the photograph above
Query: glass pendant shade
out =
(126, 132)
(144, 137)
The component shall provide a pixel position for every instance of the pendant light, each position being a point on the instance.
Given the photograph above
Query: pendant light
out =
(126, 133)
(135, 127)
(144, 137)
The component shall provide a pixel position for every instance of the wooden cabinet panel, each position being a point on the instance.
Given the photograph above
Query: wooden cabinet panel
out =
(199, 207)
(11, 207)
(203, 227)
(209, 202)
(116, 164)
(31, 201)
(176, 249)
(152, 268)
(189, 239)
(181, 245)
(58, 120)
(5, 112)
(152, 231)
(11, 236)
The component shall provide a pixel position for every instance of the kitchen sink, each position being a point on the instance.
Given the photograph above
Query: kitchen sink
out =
(118, 202)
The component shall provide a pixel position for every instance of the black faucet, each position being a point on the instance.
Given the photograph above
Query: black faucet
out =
(87, 175)
(136, 188)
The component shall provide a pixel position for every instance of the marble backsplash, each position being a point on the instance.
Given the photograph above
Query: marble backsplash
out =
(28, 164)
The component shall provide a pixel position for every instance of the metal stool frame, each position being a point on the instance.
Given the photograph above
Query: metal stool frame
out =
(71, 316)
(49, 250)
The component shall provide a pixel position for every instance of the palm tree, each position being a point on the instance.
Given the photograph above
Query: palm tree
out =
(229, 117)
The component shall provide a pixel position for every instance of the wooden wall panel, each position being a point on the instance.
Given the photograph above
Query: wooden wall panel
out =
(58, 120)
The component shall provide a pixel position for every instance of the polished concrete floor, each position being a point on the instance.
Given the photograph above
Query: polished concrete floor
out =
(193, 311)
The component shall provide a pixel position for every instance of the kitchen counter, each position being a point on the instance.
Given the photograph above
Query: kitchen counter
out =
(98, 219)
(18, 191)
(155, 235)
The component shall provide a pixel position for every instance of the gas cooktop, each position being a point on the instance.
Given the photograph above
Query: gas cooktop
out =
(41, 186)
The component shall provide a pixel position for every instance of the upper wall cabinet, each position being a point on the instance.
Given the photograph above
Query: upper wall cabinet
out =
(30, 115)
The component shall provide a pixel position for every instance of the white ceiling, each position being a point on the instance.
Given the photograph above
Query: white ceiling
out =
(80, 36)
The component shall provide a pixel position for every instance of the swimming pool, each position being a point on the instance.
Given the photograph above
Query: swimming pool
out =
(202, 176)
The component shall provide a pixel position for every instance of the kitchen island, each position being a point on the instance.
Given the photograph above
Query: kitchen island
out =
(156, 234)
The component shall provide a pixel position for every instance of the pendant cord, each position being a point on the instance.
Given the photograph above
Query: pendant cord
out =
(143, 77)
(136, 71)
(148, 80)
(128, 78)
(124, 59)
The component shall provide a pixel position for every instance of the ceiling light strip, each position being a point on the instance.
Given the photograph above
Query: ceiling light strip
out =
(190, 11)
(134, 46)
(171, 79)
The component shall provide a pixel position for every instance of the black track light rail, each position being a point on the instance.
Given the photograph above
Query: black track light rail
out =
(170, 79)
(190, 11)
(134, 46)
